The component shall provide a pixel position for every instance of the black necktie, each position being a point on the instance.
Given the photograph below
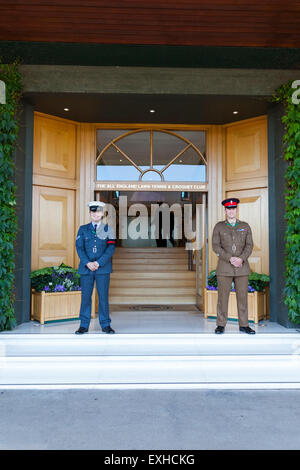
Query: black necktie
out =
(95, 228)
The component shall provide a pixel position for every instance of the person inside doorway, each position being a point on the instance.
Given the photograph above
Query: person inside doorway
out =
(161, 240)
(233, 244)
(95, 245)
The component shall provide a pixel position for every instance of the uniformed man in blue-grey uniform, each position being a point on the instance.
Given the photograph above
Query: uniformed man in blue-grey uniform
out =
(95, 245)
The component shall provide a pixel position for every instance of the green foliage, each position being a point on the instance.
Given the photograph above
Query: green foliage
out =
(10, 75)
(61, 278)
(257, 282)
(291, 149)
(212, 279)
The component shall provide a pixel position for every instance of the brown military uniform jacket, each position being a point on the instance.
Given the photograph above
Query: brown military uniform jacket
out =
(228, 241)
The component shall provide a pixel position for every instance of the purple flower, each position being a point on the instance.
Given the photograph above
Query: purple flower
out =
(250, 288)
(47, 289)
(59, 288)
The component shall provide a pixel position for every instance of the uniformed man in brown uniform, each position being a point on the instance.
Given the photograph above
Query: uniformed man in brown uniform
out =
(233, 244)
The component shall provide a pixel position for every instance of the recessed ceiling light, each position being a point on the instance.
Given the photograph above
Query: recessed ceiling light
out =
(152, 110)
(121, 160)
(235, 112)
(66, 109)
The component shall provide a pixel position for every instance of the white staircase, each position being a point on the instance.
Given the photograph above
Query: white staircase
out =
(150, 360)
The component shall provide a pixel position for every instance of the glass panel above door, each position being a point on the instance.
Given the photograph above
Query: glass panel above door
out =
(151, 155)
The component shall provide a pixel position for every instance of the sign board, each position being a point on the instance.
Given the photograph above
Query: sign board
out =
(149, 186)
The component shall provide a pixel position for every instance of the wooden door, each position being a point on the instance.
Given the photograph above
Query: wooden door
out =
(253, 208)
(54, 191)
(54, 147)
(246, 177)
(53, 230)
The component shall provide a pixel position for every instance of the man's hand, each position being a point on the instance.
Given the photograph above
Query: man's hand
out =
(93, 266)
(236, 262)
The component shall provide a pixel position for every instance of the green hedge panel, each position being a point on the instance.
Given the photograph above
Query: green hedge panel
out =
(11, 76)
(291, 149)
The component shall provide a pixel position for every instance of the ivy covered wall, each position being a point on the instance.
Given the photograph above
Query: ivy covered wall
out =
(11, 76)
(289, 97)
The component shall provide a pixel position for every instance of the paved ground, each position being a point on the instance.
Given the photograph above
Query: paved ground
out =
(149, 419)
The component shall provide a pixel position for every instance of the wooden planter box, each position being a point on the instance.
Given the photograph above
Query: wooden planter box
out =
(56, 306)
(51, 306)
(257, 305)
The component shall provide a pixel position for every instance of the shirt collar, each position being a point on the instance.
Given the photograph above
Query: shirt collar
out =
(229, 225)
(98, 224)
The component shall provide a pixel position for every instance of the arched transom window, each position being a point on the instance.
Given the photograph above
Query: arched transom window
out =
(151, 155)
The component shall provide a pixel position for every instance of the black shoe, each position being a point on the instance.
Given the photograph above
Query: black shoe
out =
(247, 329)
(219, 330)
(81, 330)
(108, 329)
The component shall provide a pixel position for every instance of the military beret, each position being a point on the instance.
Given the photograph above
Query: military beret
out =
(230, 203)
(96, 206)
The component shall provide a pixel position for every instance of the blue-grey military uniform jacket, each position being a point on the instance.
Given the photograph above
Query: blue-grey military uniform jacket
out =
(92, 246)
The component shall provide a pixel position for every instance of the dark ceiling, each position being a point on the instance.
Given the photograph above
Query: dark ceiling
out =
(133, 108)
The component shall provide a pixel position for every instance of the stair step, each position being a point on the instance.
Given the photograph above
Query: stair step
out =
(152, 255)
(151, 249)
(186, 372)
(153, 268)
(179, 360)
(176, 344)
(155, 291)
(153, 275)
(161, 300)
(149, 283)
(147, 261)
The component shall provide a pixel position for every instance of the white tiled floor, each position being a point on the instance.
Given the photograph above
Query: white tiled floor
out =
(184, 319)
